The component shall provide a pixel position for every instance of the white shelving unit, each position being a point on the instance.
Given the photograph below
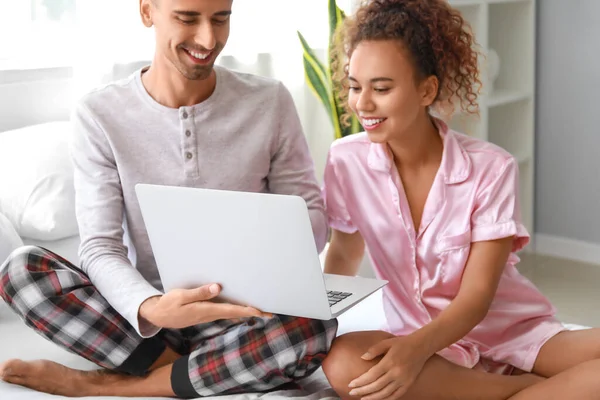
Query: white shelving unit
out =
(507, 111)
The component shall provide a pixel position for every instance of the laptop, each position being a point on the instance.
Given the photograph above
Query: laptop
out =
(259, 247)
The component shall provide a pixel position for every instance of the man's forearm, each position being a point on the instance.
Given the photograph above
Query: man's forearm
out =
(123, 287)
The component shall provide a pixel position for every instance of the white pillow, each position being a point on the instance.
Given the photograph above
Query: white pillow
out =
(9, 239)
(36, 181)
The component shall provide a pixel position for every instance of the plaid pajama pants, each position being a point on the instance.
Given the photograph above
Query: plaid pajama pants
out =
(58, 301)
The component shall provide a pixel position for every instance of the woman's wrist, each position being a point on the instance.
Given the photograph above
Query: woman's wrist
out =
(424, 341)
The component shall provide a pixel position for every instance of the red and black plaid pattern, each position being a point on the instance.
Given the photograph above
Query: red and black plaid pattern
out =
(256, 356)
(58, 301)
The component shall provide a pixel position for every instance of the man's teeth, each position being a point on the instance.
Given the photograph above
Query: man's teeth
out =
(198, 55)
(371, 122)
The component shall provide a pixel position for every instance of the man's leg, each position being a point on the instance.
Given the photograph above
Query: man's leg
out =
(256, 356)
(49, 377)
(59, 302)
(259, 355)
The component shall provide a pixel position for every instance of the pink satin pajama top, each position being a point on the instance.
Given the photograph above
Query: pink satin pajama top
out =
(474, 197)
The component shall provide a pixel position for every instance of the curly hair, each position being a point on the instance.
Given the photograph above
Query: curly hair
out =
(436, 35)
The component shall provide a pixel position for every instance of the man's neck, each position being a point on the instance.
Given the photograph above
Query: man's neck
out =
(167, 86)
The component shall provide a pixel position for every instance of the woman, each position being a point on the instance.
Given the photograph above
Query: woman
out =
(439, 213)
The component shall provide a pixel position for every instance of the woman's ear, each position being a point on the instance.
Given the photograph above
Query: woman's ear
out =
(429, 90)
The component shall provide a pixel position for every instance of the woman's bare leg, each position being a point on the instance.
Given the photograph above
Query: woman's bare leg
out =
(567, 350)
(439, 380)
(572, 361)
(579, 382)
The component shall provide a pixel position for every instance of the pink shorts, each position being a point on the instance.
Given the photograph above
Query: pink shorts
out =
(518, 351)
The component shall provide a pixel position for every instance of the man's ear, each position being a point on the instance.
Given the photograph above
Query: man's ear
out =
(146, 12)
(429, 90)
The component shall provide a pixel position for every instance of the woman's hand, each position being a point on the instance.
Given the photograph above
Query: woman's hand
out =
(402, 360)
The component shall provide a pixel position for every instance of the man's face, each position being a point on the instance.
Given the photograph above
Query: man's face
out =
(190, 34)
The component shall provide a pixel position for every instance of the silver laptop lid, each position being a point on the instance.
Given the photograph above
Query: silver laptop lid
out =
(259, 247)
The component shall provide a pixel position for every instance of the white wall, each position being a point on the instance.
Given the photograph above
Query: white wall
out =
(568, 127)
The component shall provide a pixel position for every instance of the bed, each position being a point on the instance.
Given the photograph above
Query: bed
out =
(18, 341)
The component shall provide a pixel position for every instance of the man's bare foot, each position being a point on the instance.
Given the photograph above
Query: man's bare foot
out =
(50, 377)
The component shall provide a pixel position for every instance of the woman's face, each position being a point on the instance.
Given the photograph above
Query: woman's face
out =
(384, 92)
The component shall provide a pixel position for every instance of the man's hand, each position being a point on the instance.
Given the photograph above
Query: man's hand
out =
(182, 308)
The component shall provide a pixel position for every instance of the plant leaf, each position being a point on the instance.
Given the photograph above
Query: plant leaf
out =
(355, 125)
(320, 78)
(339, 111)
(317, 85)
(336, 18)
(316, 75)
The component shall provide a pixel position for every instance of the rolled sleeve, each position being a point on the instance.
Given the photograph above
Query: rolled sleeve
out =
(338, 216)
(497, 212)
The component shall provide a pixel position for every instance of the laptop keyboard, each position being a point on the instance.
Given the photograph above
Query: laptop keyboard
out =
(336, 297)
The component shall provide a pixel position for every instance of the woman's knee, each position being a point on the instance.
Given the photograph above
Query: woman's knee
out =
(343, 364)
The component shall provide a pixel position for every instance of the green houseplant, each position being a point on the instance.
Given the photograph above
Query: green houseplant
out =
(319, 76)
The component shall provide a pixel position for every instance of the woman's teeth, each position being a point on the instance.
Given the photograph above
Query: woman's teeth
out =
(371, 122)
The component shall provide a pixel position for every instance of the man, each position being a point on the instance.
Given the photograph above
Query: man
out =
(182, 121)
